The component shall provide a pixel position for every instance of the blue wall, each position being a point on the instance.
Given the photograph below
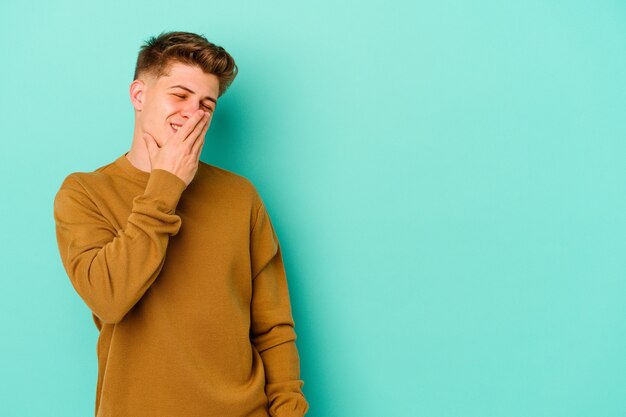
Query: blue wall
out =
(446, 179)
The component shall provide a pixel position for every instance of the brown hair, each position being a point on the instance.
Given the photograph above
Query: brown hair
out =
(159, 52)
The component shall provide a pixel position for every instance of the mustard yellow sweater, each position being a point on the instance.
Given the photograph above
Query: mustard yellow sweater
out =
(188, 291)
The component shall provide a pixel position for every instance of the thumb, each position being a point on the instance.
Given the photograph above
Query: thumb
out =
(150, 143)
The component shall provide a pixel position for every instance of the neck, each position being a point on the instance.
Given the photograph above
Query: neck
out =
(138, 154)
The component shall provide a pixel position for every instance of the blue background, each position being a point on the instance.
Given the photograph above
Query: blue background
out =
(446, 179)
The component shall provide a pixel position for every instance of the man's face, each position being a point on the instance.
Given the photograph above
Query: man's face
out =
(164, 104)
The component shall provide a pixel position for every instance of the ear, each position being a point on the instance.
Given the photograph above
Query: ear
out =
(137, 93)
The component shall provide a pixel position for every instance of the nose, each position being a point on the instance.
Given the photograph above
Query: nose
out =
(189, 109)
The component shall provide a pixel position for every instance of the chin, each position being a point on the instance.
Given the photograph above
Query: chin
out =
(166, 137)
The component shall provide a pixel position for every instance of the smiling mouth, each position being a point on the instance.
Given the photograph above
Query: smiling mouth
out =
(175, 127)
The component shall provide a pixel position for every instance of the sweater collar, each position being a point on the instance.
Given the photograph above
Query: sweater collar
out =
(132, 171)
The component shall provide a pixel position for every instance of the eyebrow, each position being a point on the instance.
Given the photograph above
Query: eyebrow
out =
(192, 92)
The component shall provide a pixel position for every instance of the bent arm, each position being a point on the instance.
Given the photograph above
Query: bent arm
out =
(110, 269)
(272, 326)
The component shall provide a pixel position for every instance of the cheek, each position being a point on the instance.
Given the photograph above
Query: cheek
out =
(155, 122)
(157, 117)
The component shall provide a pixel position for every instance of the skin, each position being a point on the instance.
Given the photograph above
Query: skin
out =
(156, 145)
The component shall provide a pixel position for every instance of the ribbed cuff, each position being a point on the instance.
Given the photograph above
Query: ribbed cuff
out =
(166, 187)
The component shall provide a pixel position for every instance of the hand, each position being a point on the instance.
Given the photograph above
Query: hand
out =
(180, 154)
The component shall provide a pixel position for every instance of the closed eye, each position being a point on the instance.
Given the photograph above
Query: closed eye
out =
(182, 96)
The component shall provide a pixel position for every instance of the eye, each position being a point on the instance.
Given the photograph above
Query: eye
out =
(182, 96)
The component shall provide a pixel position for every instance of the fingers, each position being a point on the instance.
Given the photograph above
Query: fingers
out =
(187, 129)
(198, 130)
(197, 145)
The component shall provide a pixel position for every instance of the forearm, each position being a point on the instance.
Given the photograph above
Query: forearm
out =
(283, 383)
(111, 270)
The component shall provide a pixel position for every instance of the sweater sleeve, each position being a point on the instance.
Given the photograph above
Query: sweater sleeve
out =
(111, 269)
(272, 326)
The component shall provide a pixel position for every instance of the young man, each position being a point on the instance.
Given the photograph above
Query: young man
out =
(178, 259)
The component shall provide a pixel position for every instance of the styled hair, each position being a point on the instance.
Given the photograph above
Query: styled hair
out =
(159, 52)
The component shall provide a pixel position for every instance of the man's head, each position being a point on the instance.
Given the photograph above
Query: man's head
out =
(176, 74)
(159, 52)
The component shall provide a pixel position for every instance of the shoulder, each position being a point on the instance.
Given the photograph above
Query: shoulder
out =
(83, 181)
(230, 181)
(224, 175)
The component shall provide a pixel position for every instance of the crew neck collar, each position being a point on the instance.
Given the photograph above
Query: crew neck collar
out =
(124, 163)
